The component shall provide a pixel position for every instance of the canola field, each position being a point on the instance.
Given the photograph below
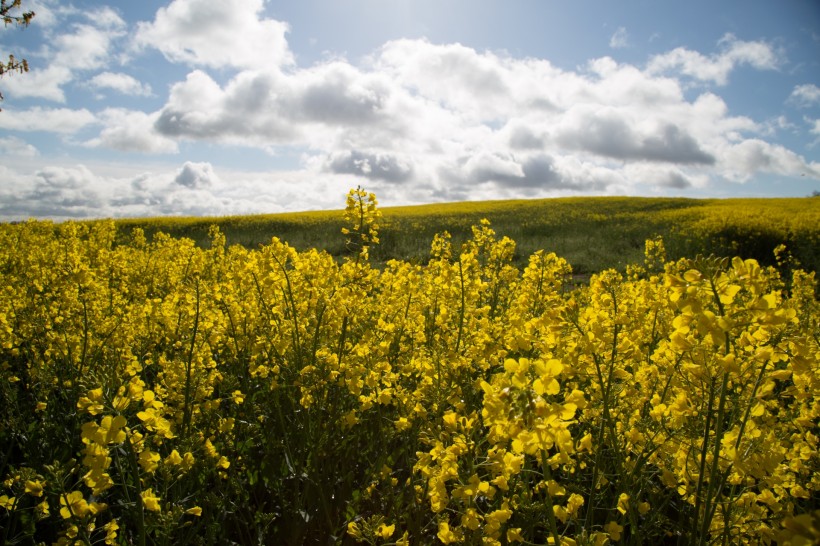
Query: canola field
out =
(591, 233)
(153, 391)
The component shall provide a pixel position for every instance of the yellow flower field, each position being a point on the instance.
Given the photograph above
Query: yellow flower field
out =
(158, 392)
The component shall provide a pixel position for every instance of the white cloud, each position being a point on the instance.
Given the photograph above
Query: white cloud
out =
(55, 120)
(247, 111)
(264, 108)
(445, 118)
(196, 175)
(67, 191)
(43, 83)
(717, 67)
(459, 77)
(131, 131)
(743, 160)
(622, 134)
(122, 83)
(664, 177)
(805, 95)
(77, 191)
(86, 46)
(44, 13)
(619, 39)
(16, 147)
(374, 166)
(227, 33)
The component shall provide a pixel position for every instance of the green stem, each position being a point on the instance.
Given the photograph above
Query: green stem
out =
(713, 487)
(132, 459)
(463, 305)
(188, 410)
(703, 451)
(545, 468)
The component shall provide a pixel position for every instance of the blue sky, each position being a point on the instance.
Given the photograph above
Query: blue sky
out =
(197, 107)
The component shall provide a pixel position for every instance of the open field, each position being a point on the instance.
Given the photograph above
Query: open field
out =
(156, 391)
(591, 233)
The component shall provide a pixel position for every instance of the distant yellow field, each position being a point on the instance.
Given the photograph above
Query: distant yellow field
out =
(590, 232)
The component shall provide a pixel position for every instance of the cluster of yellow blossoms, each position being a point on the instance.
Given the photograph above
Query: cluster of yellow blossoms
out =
(160, 392)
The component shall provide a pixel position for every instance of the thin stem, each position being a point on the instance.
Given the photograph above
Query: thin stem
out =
(132, 459)
(545, 469)
(703, 451)
(188, 410)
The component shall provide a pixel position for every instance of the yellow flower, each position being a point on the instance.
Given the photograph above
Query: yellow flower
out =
(155, 422)
(354, 530)
(210, 450)
(43, 509)
(385, 531)
(614, 530)
(7, 502)
(623, 503)
(195, 511)
(150, 501)
(174, 458)
(514, 535)
(92, 402)
(188, 461)
(109, 431)
(402, 423)
(445, 535)
(73, 504)
(34, 488)
(149, 461)
(111, 532)
(120, 403)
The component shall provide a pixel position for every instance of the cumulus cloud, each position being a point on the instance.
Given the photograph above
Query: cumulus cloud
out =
(664, 177)
(534, 174)
(717, 67)
(619, 39)
(122, 83)
(131, 131)
(196, 175)
(337, 93)
(268, 107)
(56, 120)
(63, 192)
(613, 133)
(217, 34)
(454, 119)
(17, 147)
(375, 166)
(805, 95)
(85, 46)
(246, 111)
(476, 84)
(744, 159)
(76, 191)
(522, 136)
